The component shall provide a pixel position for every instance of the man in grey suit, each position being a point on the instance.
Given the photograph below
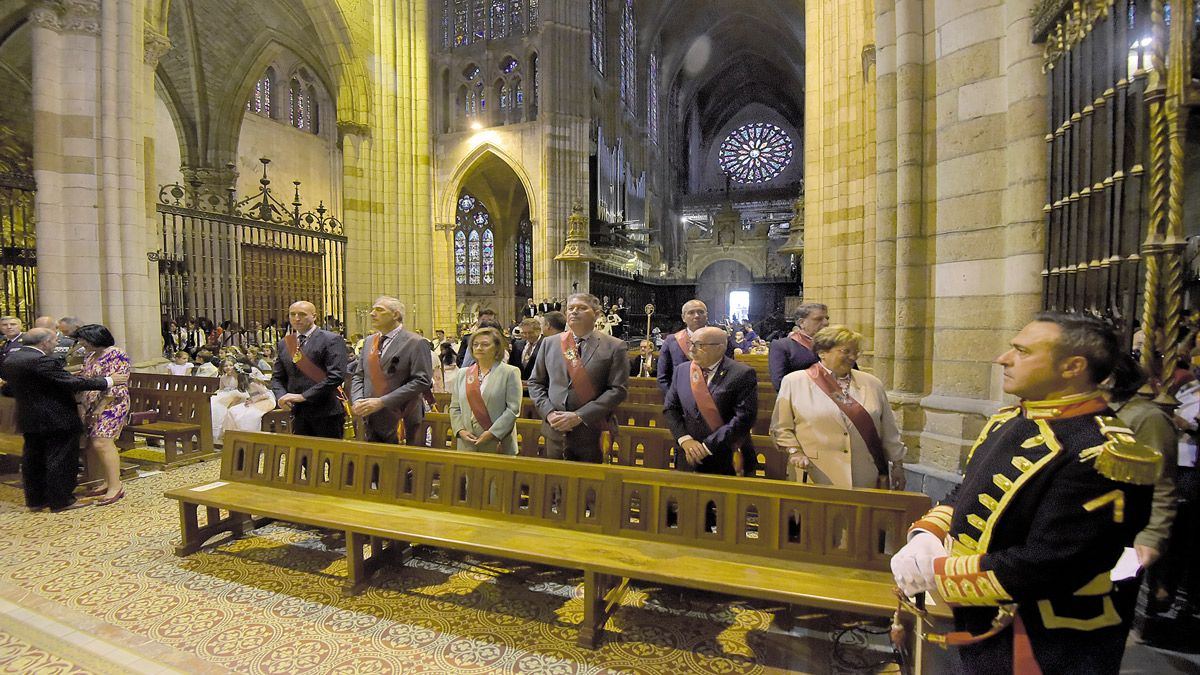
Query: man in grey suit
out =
(579, 379)
(309, 369)
(395, 370)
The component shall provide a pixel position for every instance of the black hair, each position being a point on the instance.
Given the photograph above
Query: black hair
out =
(95, 334)
(1085, 336)
(1127, 377)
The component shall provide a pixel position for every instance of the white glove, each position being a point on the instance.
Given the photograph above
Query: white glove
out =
(912, 566)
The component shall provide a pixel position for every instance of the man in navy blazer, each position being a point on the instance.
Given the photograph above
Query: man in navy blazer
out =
(524, 351)
(317, 410)
(734, 390)
(794, 352)
(49, 418)
(672, 353)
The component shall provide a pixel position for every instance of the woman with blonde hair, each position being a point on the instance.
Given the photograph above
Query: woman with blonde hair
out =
(486, 397)
(835, 423)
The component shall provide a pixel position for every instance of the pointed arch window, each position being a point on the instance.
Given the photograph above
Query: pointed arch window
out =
(598, 35)
(474, 243)
(533, 16)
(499, 27)
(478, 20)
(524, 254)
(301, 104)
(461, 35)
(516, 18)
(628, 46)
(446, 13)
(260, 100)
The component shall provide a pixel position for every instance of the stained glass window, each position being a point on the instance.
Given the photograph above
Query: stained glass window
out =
(460, 257)
(461, 35)
(504, 98)
(478, 20)
(518, 95)
(524, 255)
(754, 153)
(499, 19)
(474, 243)
(509, 64)
(445, 24)
(260, 100)
(296, 113)
(628, 43)
(533, 15)
(598, 36)
(473, 257)
(489, 257)
(516, 18)
(652, 99)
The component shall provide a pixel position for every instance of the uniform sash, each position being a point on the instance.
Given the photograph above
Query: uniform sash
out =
(475, 397)
(859, 417)
(378, 379)
(580, 380)
(311, 370)
(704, 400)
(685, 343)
(802, 340)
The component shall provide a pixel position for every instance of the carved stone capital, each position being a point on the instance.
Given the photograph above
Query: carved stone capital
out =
(155, 45)
(47, 14)
(81, 16)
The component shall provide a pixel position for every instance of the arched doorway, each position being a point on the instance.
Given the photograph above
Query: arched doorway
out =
(493, 239)
(721, 280)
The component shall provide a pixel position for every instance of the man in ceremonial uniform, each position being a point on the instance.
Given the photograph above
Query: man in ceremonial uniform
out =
(1053, 491)
(710, 406)
(308, 370)
(794, 352)
(395, 370)
(10, 336)
(676, 348)
(579, 379)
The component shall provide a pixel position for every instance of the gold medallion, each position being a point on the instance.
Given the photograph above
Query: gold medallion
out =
(571, 355)
(297, 356)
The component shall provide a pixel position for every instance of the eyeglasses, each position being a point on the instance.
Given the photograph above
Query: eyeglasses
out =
(708, 344)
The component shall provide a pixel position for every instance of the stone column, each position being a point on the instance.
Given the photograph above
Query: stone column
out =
(89, 126)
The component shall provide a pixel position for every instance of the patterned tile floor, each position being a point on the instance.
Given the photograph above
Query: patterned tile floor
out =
(100, 590)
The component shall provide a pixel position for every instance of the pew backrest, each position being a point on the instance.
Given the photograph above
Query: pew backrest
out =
(206, 385)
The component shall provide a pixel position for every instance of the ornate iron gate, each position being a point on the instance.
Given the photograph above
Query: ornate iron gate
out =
(246, 261)
(18, 245)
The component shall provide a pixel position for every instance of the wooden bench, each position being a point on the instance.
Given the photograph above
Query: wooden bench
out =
(817, 547)
(11, 441)
(207, 385)
(184, 424)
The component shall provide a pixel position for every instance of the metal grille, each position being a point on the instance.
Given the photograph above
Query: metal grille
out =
(18, 247)
(1096, 60)
(247, 261)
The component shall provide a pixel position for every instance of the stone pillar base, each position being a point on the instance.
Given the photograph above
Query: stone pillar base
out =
(951, 426)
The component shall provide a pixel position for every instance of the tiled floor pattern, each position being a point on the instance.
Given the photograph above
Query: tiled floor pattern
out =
(101, 588)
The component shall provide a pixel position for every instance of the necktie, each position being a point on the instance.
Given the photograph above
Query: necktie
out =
(579, 346)
(302, 338)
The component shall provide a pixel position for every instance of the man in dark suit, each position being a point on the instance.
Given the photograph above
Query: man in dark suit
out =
(645, 364)
(309, 368)
(524, 351)
(49, 419)
(711, 405)
(675, 348)
(794, 352)
(395, 370)
(530, 310)
(579, 379)
(10, 336)
(545, 306)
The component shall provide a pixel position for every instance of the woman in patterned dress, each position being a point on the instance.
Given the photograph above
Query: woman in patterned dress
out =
(105, 412)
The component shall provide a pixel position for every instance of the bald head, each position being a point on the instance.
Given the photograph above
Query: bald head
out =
(41, 338)
(695, 314)
(708, 346)
(302, 315)
(45, 322)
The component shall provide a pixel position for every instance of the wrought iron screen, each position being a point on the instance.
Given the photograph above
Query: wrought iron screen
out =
(247, 261)
(1096, 59)
(18, 247)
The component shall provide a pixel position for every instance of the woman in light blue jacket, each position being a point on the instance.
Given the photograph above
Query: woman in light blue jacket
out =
(486, 397)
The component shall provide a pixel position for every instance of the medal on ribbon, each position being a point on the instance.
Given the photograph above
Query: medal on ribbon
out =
(297, 356)
(572, 354)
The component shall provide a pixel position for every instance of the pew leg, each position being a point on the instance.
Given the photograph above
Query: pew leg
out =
(601, 596)
(189, 530)
(360, 568)
(170, 449)
(193, 536)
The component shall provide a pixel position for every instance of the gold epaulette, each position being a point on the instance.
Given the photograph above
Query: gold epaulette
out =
(1121, 457)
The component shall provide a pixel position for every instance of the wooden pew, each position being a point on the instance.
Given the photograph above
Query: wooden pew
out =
(206, 385)
(819, 547)
(184, 424)
(11, 440)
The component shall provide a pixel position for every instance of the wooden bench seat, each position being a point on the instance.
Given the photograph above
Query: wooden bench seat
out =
(184, 424)
(819, 547)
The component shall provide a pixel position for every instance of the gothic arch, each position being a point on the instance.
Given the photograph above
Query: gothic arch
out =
(750, 257)
(447, 201)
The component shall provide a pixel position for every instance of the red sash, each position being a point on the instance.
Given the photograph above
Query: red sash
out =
(859, 417)
(685, 343)
(802, 340)
(311, 370)
(475, 397)
(704, 400)
(378, 379)
(575, 371)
